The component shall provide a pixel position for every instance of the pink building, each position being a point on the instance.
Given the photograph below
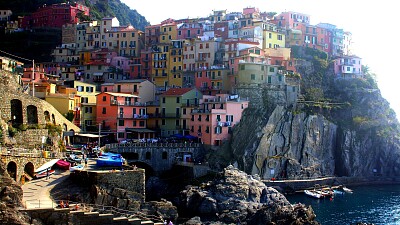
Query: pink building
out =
(213, 120)
(189, 30)
(348, 67)
(291, 19)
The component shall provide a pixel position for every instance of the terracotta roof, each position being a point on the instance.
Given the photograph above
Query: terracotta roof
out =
(177, 91)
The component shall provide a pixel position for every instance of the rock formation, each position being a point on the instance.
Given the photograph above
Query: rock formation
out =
(346, 128)
(236, 197)
(10, 200)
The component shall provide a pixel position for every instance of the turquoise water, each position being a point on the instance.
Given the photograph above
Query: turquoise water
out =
(378, 204)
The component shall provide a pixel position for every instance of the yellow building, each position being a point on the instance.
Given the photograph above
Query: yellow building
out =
(129, 41)
(168, 31)
(160, 69)
(85, 116)
(176, 63)
(64, 103)
(273, 36)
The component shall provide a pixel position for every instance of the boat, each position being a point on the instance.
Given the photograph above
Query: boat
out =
(338, 192)
(44, 173)
(347, 190)
(78, 167)
(62, 164)
(313, 193)
(110, 159)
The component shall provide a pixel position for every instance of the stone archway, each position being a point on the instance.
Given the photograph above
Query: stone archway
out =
(47, 116)
(17, 117)
(29, 169)
(28, 173)
(12, 170)
(31, 110)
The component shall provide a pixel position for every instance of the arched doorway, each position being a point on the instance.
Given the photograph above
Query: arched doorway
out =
(47, 116)
(12, 170)
(16, 112)
(31, 110)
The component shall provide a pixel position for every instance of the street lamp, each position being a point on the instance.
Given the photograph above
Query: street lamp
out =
(98, 144)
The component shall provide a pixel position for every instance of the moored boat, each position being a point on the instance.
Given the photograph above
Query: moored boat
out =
(110, 159)
(347, 190)
(313, 193)
(78, 167)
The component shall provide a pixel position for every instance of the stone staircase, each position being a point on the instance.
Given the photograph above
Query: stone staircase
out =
(81, 217)
(66, 215)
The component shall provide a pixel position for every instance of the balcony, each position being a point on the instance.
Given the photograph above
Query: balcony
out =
(98, 79)
(140, 116)
(202, 59)
(170, 115)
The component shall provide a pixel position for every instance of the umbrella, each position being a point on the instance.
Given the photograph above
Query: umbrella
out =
(189, 137)
(177, 135)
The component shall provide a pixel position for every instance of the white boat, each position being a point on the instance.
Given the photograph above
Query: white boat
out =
(313, 193)
(78, 167)
(347, 190)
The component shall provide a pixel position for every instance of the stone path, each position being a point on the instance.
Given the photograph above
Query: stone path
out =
(37, 192)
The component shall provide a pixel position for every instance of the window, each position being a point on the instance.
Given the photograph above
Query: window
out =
(177, 100)
(104, 110)
(253, 76)
(280, 37)
(121, 135)
(121, 123)
(229, 118)
(88, 109)
(164, 155)
(163, 100)
(104, 98)
(269, 35)
(271, 69)
(84, 100)
(218, 129)
(141, 124)
(242, 67)
(163, 122)
(148, 155)
(218, 117)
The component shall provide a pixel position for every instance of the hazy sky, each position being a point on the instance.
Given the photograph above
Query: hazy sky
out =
(371, 22)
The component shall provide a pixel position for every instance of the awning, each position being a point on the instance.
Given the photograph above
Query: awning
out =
(46, 165)
(139, 130)
(90, 135)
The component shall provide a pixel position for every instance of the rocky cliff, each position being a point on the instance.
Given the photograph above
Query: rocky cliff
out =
(10, 200)
(342, 127)
(243, 199)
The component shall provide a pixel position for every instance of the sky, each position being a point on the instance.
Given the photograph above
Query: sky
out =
(371, 22)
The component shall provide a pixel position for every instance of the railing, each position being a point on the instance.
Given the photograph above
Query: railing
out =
(153, 145)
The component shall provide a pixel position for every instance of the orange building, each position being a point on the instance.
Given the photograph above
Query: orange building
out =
(122, 116)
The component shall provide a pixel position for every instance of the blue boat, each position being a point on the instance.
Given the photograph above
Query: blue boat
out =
(110, 159)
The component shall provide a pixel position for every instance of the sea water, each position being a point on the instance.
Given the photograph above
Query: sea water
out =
(377, 204)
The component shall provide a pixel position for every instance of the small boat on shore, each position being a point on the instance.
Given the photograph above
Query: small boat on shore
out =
(338, 192)
(62, 164)
(78, 167)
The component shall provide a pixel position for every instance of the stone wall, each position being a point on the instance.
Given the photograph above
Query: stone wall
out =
(155, 153)
(31, 138)
(129, 180)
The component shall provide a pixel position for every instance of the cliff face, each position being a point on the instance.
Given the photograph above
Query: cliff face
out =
(344, 128)
(290, 145)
